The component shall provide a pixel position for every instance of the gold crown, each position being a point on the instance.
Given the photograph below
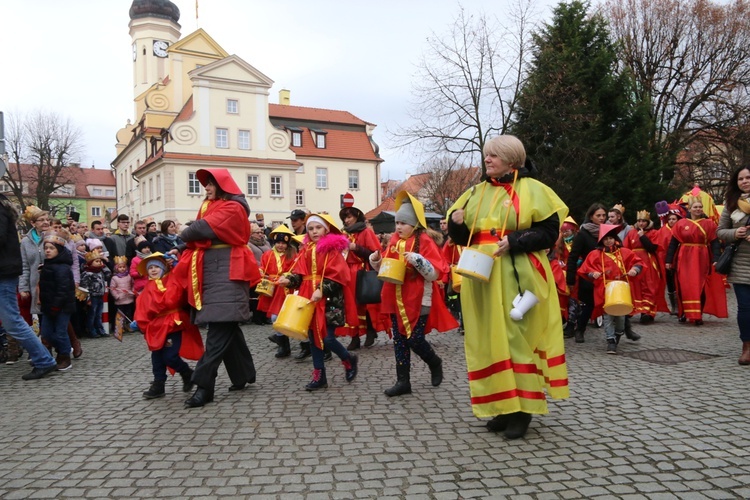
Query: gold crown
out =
(643, 215)
(93, 255)
(59, 238)
(32, 213)
(620, 207)
(121, 259)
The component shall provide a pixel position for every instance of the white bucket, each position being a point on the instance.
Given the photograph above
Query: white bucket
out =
(475, 265)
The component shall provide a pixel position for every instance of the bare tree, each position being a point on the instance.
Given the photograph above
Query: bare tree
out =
(40, 147)
(446, 181)
(467, 84)
(687, 56)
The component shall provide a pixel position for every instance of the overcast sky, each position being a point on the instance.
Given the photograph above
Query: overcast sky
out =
(73, 57)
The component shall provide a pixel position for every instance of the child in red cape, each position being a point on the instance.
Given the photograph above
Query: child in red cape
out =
(166, 325)
(321, 274)
(415, 306)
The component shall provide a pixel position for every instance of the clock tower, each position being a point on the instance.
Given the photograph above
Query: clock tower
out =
(154, 28)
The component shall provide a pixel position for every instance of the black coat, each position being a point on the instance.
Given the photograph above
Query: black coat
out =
(583, 243)
(10, 248)
(57, 290)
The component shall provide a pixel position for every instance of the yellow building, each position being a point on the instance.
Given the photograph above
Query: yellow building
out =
(197, 107)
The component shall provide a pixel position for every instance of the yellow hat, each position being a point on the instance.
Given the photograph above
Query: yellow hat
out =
(416, 204)
(571, 220)
(281, 228)
(151, 258)
(299, 238)
(332, 227)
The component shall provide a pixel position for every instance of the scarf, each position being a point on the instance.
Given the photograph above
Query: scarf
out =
(357, 227)
(35, 237)
(591, 228)
(122, 274)
(170, 237)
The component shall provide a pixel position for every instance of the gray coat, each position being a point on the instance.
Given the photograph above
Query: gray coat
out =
(223, 300)
(32, 256)
(740, 272)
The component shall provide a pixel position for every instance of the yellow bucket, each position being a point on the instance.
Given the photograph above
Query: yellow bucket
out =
(475, 265)
(456, 280)
(294, 317)
(265, 287)
(392, 271)
(617, 299)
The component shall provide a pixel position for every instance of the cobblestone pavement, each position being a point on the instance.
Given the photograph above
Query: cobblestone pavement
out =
(631, 429)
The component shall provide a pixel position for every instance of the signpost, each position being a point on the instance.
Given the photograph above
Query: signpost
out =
(347, 200)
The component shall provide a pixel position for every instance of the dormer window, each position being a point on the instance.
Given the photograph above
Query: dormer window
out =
(320, 138)
(296, 136)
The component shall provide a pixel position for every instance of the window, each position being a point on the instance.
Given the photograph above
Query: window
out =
(321, 178)
(4, 188)
(320, 138)
(97, 191)
(243, 139)
(158, 186)
(252, 185)
(150, 189)
(299, 197)
(194, 185)
(222, 138)
(353, 179)
(297, 139)
(109, 192)
(275, 185)
(232, 106)
(96, 211)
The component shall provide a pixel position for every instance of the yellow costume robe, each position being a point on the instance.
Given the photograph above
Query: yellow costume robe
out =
(511, 363)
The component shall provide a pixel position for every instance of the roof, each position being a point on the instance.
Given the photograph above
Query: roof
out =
(340, 144)
(313, 114)
(83, 177)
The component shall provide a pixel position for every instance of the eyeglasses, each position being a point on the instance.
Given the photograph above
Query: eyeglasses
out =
(257, 232)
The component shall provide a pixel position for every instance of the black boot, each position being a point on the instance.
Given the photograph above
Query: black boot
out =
(187, 383)
(372, 335)
(284, 349)
(274, 338)
(436, 370)
(304, 351)
(570, 330)
(629, 333)
(354, 344)
(350, 367)
(672, 296)
(579, 335)
(403, 385)
(155, 391)
(518, 424)
(499, 423)
(201, 397)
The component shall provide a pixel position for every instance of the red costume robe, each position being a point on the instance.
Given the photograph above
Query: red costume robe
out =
(405, 301)
(273, 264)
(160, 311)
(648, 290)
(613, 266)
(694, 271)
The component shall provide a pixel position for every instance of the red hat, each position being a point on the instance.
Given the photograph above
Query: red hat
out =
(222, 177)
(607, 230)
(678, 210)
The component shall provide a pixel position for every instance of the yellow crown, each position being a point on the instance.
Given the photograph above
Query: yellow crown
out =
(121, 259)
(620, 207)
(93, 255)
(643, 215)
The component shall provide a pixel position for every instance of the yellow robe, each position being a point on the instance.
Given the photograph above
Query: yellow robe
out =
(511, 363)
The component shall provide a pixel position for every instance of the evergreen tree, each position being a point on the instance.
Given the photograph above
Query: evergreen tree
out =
(579, 118)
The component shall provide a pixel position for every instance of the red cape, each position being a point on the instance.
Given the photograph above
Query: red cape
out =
(593, 263)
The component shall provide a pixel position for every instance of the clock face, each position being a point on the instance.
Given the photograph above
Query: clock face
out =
(160, 48)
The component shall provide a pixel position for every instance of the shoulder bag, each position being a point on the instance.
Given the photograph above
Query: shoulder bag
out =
(368, 287)
(724, 262)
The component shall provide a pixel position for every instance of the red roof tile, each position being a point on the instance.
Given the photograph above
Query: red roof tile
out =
(340, 144)
(82, 177)
(314, 114)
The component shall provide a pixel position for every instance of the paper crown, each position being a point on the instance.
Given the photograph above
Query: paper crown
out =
(56, 237)
(619, 207)
(93, 255)
(643, 215)
(259, 216)
(120, 259)
(32, 213)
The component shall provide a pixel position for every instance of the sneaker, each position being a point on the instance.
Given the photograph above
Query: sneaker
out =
(64, 364)
(611, 346)
(38, 373)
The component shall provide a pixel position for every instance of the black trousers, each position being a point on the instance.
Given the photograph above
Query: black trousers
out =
(225, 342)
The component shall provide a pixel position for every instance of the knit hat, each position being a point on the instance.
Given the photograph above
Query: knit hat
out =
(415, 207)
(155, 259)
(94, 243)
(144, 244)
(324, 219)
(406, 214)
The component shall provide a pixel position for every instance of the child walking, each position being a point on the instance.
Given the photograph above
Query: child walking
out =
(321, 274)
(121, 288)
(415, 306)
(57, 296)
(273, 265)
(166, 326)
(94, 280)
(609, 262)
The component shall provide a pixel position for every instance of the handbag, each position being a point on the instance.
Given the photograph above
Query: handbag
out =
(724, 262)
(368, 287)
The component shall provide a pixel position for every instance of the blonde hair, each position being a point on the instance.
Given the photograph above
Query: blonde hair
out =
(508, 148)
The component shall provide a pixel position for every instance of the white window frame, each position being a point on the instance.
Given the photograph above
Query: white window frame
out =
(296, 139)
(158, 186)
(109, 192)
(253, 180)
(222, 137)
(244, 143)
(320, 140)
(233, 107)
(299, 197)
(96, 211)
(276, 186)
(194, 185)
(354, 185)
(150, 189)
(94, 192)
(321, 174)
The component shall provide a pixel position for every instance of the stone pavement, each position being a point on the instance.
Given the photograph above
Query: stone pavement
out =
(631, 429)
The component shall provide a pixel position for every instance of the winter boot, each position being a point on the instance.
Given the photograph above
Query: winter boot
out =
(579, 335)
(187, 383)
(14, 351)
(672, 296)
(403, 385)
(74, 342)
(274, 338)
(518, 424)
(318, 380)
(354, 344)
(372, 335)
(284, 349)
(570, 330)
(745, 358)
(350, 365)
(629, 333)
(155, 391)
(304, 351)
(436, 370)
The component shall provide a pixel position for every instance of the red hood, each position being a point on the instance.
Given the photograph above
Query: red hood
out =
(223, 179)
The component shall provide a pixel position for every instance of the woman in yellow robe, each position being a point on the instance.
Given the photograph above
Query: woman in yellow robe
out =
(515, 218)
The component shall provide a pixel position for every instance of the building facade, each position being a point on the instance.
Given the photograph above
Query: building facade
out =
(197, 107)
